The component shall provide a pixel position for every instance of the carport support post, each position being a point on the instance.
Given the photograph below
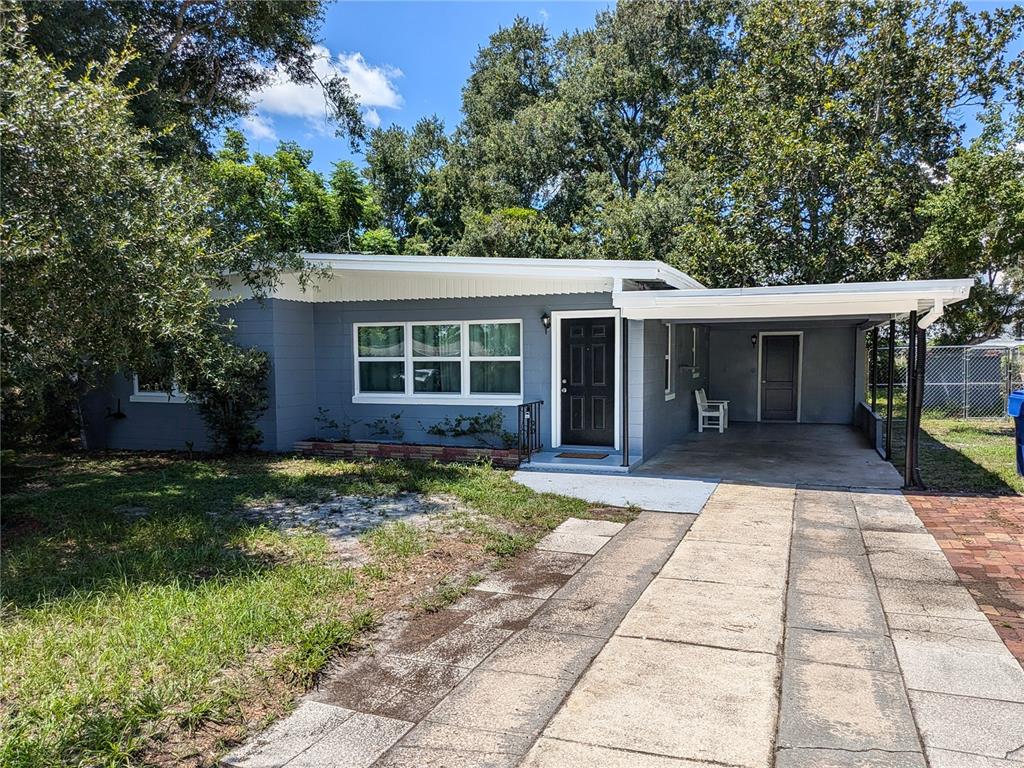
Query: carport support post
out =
(874, 369)
(916, 356)
(888, 404)
(919, 369)
(625, 392)
(910, 435)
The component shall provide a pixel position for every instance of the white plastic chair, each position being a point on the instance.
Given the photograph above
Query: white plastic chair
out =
(711, 413)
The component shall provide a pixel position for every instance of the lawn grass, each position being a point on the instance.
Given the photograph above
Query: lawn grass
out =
(136, 603)
(965, 455)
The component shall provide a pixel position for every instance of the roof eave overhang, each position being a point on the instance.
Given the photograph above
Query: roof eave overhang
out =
(847, 301)
(492, 267)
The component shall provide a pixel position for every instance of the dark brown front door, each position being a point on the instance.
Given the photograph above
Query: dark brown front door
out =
(779, 372)
(588, 381)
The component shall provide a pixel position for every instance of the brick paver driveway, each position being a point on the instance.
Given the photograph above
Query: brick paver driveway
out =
(788, 627)
(983, 538)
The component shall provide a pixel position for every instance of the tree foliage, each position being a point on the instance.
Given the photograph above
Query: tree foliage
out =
(269, 209)
(976, 227)
(196, 63)
(105, 253)
(228, 385)
(812, 149)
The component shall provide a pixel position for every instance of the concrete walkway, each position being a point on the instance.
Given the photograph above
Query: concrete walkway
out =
(798, 628)
(872, 654)
(691, 673)
(656, 494)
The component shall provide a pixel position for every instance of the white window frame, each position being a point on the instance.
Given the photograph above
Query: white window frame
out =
(670, 355)
(153, 396)
(409, 396)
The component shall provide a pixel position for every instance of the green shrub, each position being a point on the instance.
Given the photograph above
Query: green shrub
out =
(487, 430)
(231, 394)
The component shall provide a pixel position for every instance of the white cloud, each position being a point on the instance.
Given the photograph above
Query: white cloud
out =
(259, 127)
(373, 86)
(543, 14)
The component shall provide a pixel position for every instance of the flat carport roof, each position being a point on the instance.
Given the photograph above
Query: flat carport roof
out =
(869, 303)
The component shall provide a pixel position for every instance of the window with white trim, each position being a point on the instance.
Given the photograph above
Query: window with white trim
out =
(670, 374)
(152, 388)
(476, 360)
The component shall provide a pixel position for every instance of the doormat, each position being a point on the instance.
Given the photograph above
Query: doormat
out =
(570, 455)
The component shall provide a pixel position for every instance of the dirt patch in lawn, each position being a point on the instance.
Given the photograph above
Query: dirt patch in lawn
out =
(449, 563)
(409, 596)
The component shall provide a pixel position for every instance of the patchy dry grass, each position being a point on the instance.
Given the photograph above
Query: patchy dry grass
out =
(965, 455)
(138, 611)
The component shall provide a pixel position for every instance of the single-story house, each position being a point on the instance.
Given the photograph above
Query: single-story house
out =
(609, 354)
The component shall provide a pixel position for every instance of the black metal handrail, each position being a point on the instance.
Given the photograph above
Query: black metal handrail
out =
(528, 418)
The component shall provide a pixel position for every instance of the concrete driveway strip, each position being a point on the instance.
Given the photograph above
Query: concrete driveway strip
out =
(691, 676)
(492, 717)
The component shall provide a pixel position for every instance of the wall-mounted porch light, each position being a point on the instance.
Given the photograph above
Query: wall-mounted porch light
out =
(753, 339)
(545, 320)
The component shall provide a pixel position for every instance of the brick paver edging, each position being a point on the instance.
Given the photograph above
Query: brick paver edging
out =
(983, 539)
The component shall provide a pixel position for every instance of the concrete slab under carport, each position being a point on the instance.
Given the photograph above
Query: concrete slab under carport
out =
(825, 455)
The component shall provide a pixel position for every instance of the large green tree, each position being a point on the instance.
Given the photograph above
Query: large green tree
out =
(269, 209)
(406, 171)
(197, 62)
(810, 153)
(106, 254)
(976, 228)
(574, 128)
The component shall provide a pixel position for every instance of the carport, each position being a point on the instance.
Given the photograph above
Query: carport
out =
(792, 362)
(826, 455)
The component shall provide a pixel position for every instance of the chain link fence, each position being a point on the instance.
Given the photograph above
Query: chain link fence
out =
(960, 382)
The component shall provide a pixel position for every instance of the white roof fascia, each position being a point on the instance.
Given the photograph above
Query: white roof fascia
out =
(498, 267)
(794, 301)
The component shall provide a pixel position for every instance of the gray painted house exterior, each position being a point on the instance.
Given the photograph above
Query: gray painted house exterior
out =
(310, 339)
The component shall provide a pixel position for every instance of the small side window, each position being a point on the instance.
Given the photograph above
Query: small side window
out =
(150, 385)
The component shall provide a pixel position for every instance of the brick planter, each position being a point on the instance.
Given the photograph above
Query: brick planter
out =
(448, 454)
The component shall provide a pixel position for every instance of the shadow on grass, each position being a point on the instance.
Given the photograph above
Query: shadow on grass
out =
(84, 525)
(946, 468)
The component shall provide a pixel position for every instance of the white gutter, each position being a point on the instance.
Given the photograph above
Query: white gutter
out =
(931, 315)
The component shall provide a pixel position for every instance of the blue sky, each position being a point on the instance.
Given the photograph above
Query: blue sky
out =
(405, 60)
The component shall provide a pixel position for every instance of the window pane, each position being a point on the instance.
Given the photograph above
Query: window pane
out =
(382, 377)
(437, 377)
(155, 378)
(500, 378)
(382, 341)
(436, 341)
(494, 340)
